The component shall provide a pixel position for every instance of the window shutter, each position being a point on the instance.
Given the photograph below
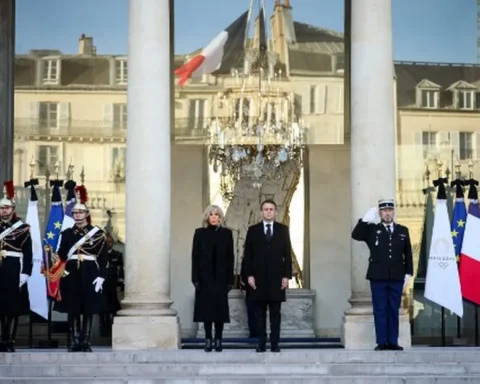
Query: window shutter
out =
(341, 102)
(34, 115)
(321, 93)
(64, 115)
(455, 144)
(418, 147)
(476, 155)
(108, 115)
(191, 114)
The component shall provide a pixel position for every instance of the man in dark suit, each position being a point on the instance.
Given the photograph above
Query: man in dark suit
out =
(390, 267)
(268, 265)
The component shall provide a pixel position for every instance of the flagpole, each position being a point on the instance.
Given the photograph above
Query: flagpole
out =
(442, 312)
(457, 186)
(473, 182)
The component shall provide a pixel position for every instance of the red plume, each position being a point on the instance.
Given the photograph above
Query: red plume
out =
(9, 189)
(81, 193)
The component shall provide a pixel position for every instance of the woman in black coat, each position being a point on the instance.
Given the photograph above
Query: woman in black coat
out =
(212, 275)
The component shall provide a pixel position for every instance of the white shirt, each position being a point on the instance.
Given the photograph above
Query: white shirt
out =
(389, 225)
(265, 227)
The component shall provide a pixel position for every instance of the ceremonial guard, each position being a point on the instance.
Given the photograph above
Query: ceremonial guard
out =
(390, 267)
(15, 268)
(82, 249)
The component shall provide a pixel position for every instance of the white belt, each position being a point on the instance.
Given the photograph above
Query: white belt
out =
(10, 254)
(83, 257)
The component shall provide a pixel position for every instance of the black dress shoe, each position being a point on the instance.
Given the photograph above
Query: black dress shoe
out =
(208, 345)
(261, 348)
(10, 346)
(395, 347)
(218, 345)
(381, 347)
(275, 348)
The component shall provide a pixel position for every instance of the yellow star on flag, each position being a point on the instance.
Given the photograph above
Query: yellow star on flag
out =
(454, 233)
(461, 223)
(50, 235)
(57, 225)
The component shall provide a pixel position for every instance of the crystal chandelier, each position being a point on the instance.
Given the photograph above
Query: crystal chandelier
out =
(256, 133)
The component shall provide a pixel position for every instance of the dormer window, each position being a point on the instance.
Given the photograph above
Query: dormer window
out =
(466, 99)
(51, 70)
(121, 71)
(428, 94)
(463, 95)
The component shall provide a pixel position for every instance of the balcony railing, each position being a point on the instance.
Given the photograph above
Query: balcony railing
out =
(69, 128)
(184, 128)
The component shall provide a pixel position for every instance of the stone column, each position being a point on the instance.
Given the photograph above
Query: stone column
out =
(372, 150)
(146, 319)
(7, 63)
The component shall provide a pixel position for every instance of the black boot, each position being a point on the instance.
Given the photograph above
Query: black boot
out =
(218, 336)
(12, 326)
(4, 339)
(218, 345)
(74, 325)
(86, 331)
(208, 345)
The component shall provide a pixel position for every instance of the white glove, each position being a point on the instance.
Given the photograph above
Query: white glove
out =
(407, 277)
(371, 215)
(23, 279)
(98, 282)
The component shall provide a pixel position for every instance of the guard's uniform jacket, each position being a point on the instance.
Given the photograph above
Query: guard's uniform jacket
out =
(15, 259)
(390, 253)
(83, 265)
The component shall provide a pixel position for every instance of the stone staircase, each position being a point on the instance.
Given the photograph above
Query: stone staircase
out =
(415, 366)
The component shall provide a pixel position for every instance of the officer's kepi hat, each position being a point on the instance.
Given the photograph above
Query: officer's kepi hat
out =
(386, 204)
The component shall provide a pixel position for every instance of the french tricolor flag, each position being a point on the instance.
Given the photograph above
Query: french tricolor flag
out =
(224, 49)
(470, 254)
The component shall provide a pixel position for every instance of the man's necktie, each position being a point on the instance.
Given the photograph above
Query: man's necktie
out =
(389, 229)
(269, 231)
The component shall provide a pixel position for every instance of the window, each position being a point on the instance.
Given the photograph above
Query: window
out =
(121, 71)
(466, 145)
(429, 143)
(119, 158)
(428, 94)
(466, 99)
(242, 109)
(51, 70)
(269, 113)
(120, 116)
(48, 115)
(196, 114)
(429, 99)
(47, 158)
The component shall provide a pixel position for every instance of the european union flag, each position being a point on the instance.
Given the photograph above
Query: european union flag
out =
(50, 241)
(459, 217)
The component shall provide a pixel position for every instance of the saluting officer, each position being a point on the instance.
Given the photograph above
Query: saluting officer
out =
(390, 267)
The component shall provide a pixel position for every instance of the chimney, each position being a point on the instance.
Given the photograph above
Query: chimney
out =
(85, 45)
